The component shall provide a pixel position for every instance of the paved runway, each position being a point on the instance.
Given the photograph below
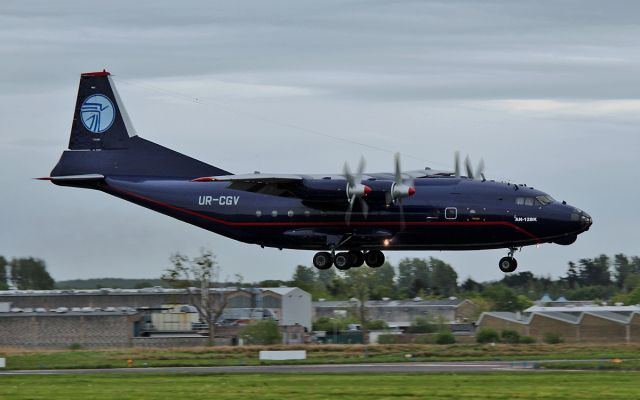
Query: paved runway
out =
(412, 367)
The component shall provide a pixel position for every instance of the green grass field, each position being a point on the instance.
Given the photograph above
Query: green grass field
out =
(521, 385)
(248, 355)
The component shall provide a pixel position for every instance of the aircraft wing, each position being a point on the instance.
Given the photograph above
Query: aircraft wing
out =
(257, 178)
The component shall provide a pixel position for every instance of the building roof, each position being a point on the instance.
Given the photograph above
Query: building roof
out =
(518, 318)
(613, 316)
(141, 292)
(280, 290)
(392, 303)
(584, 308)
(570, 318)
(64, 311)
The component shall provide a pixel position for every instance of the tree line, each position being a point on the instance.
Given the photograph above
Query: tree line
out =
(615, 279)
(25, 273)
(602, 278)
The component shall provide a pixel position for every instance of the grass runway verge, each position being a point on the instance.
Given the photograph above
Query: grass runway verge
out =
(316, 354)
(499, 385)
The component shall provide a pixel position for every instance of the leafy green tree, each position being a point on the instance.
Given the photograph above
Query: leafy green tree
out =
(595, 271)
(262, 332)
(329, 324)
(3, 274)
(377, 325)
(444, 278)
(487, 335)
(270, 283)
(445, 338)
(623, 269)
(523, 279)
(357, 282)
(201, 277)
(503, 298)
(382, 282)
(304, 278)
(573, 277)
(30, 274)
(510, 336)
(591, 293)
(469, 285)
(413, 276)
(634, 297)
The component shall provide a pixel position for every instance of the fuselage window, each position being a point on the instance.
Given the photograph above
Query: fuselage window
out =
(433, 214)
(451, 213)
(528, 201)
(520, 201)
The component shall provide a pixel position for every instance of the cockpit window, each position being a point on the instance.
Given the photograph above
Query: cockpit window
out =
(534, 201)
(544, 200)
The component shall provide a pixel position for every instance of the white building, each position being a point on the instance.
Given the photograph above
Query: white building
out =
(290, 305)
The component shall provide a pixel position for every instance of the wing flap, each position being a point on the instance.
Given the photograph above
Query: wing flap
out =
(257, 178)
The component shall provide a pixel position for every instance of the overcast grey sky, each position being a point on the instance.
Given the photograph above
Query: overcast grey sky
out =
(546, 92)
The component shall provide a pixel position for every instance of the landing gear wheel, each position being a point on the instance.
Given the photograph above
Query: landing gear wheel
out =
(374, 258)
(322, 260)
(342, 261)
(508, 264)
(357, 258)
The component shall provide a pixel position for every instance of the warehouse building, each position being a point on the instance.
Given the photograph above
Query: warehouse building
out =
(146, 317)
(401, 313)
(573, 324)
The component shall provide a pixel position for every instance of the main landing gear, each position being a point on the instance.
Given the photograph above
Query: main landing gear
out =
(348, 259)
(508, 263)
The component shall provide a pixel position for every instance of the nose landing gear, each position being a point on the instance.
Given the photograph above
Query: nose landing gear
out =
(509, 263)
(346, 260)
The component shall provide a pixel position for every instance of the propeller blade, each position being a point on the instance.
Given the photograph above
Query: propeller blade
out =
(456, 162)
(398, 171)
(365, 207)
(480, 169)
(467, 164)
(401, 208)
(347, 216)
(348, 175)
(360, 170)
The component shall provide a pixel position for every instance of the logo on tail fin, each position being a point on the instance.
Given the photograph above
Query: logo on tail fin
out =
(97, 113)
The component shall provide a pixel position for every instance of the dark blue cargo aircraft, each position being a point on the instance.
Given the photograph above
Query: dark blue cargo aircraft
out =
(355, 214)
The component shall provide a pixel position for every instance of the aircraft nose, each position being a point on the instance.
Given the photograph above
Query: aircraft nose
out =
(581, 219)
(585, 221)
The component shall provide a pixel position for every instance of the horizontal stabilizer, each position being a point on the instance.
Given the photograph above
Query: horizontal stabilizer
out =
(87, 177)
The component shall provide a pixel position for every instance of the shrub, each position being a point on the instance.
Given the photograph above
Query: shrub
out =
(487, 335)
(262, 332)
(510, 336)
(445, 338)
(387, 339)
(552, 338)
(424, 339)
(330, 324)
(527, 340)
(377, 325)
(75, 346)
(422, 325)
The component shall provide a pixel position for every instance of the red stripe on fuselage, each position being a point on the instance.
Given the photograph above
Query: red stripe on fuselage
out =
(326, 223)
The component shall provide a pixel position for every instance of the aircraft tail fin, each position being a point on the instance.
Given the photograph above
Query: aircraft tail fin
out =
(100, 121)
(103, 140)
